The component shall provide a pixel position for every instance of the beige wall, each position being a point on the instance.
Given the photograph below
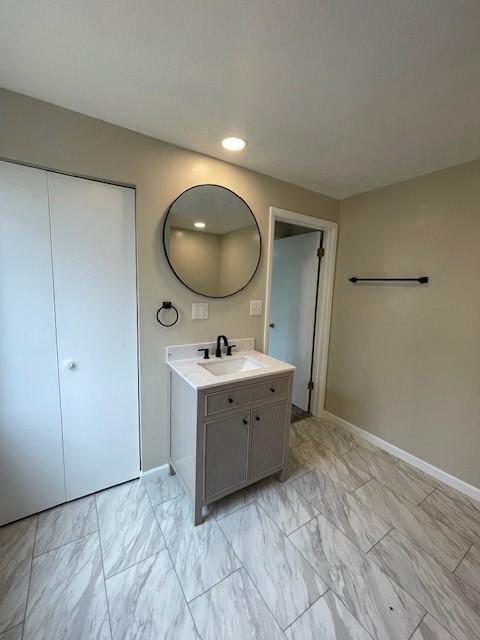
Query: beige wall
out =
(196, 257)
(41, 134)
(211, 263)
(238, 258)
(405, 360)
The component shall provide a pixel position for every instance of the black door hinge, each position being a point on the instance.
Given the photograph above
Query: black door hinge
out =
(320, 252)
(310, 385)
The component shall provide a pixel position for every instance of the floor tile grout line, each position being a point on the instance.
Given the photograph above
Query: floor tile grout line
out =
(428, 517)
(337, 484)
(395, 493)
(337, 455)
(145, 557)
(386, 573)
(288, 538)
(103, 568)
(134, 564)
(398, 495)
(227, 541)
(172, 563)
(145, 484)
(322, 444)
(430, 480)
(302, 497)
(352, 492)
(29, 579)
(398, 583)
(427, 496)
(250, 577)
(394, 462)
(339, 596)
(308, 608)
(372, 477)
(304, 524)
(204, 593)
(60, 546)
(384, 536)
(334, 524)
(463, 558)
(418, 625)
(159, 504)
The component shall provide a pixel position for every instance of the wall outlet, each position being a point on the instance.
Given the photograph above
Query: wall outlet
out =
(199, 310)
(256, 307)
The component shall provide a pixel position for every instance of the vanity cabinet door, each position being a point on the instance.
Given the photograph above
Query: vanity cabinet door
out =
(226, 450)
(268, 437)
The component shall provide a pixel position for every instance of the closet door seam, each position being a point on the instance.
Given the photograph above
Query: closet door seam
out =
(56, 335)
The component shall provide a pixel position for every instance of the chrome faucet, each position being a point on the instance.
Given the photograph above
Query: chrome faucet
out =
(218, 352)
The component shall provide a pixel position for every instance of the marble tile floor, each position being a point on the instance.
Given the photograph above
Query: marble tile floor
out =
(356, 545)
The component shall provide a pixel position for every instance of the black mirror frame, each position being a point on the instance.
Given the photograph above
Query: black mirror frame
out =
(198, 293)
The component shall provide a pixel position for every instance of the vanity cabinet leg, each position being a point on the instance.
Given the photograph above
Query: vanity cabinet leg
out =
(283, 474)
(171, 470)
(197, 513)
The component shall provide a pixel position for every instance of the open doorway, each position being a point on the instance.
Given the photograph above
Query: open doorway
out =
(299, 292)
(296, 266)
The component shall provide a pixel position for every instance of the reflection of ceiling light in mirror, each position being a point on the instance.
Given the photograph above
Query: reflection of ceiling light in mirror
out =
(199, 225)
(233, 144)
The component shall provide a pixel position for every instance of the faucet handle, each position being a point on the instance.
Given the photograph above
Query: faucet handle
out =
(205, 353)
(229, 349)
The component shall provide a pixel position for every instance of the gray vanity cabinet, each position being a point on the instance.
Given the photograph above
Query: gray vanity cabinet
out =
(226, 437)
(268, 433)
(226, 453)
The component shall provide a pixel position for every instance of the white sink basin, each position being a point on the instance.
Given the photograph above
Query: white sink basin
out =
(233, 365)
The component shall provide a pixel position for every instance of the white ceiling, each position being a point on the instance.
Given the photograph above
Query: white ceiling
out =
(221, 210)
(340, 96)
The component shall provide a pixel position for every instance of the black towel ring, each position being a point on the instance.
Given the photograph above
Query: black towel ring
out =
(167, 305)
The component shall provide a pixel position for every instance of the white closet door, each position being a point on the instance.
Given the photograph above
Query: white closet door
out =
(93, 245)
(31, 458)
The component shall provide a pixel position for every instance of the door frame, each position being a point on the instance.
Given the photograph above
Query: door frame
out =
(325, 294)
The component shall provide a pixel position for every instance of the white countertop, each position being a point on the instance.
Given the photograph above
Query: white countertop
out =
(192, 371)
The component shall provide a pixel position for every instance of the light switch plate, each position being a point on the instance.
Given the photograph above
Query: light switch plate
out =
(199, 310)
(256, 307)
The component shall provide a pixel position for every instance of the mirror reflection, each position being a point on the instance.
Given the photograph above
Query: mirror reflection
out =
(212, 241)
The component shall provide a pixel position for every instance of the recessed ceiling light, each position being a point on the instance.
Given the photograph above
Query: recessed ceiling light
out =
(233, 144)
(199, 225)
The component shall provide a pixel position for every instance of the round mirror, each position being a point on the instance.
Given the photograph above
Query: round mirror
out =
(212, 241)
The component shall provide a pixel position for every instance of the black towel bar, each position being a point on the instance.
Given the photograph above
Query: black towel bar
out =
(420, 279)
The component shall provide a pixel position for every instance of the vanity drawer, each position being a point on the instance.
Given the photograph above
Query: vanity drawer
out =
(271, 390)
(224, 400)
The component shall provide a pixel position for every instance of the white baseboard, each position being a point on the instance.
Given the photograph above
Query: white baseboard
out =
(430, 469)
(154, 471)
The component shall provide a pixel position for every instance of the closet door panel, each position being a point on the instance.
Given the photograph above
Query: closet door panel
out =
(93, 244)
(31, 457)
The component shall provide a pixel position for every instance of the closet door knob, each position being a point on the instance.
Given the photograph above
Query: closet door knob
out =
(69, 364)
(245, 421)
